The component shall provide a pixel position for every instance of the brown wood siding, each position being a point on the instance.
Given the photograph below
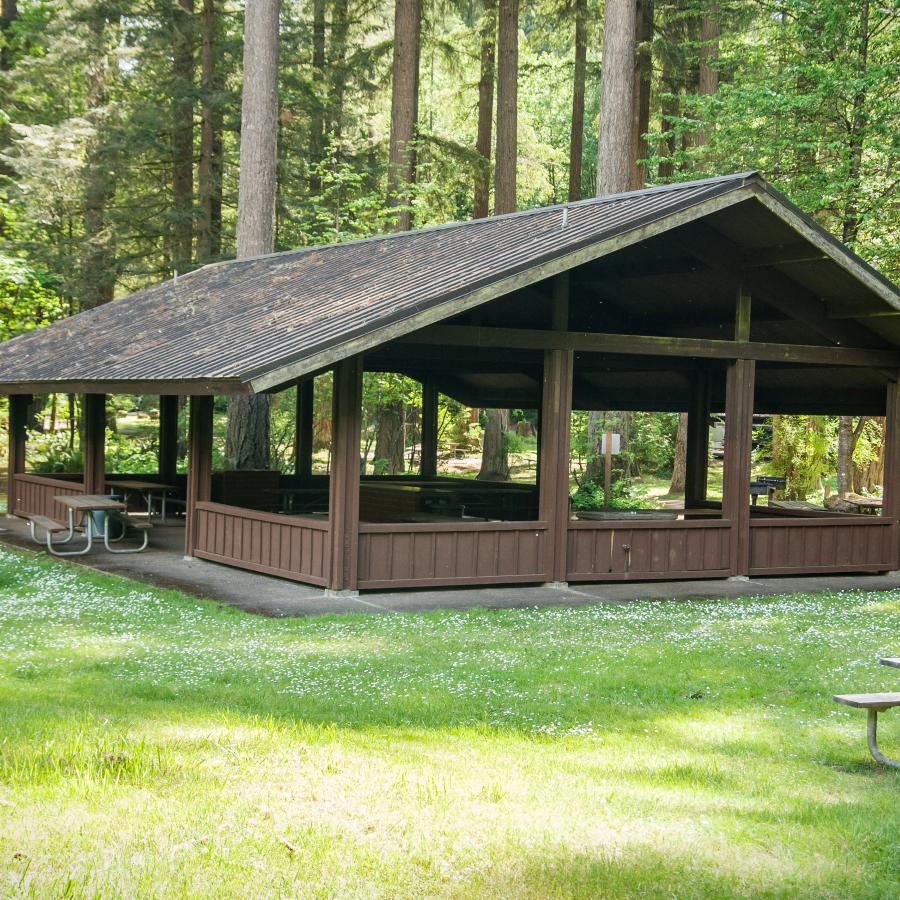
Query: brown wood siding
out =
(599, 552)
(288, 546)
(394, 555)
(33, 495)
(812, 546)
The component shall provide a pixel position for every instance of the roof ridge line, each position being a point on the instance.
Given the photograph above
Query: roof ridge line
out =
(738, 177)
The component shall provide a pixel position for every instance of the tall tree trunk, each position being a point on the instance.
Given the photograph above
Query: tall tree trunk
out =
(643, 74)
(389, 443)
(209, 234)
(614, 153)
(576, 135)
(182, 134)
(494, 455)
(340, 26)
(845, 455)
(494, 459)
(679, 465)
(708, 76)
(98, 266)
(9, 12)
(317, 112)
(404, 109)
(482, 198)
(507, 93)
(851, 224)
(247, 441)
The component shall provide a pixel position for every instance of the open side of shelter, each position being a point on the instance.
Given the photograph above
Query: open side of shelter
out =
(712, 297)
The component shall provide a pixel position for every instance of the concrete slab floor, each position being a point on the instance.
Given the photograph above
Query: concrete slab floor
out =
(163, 564)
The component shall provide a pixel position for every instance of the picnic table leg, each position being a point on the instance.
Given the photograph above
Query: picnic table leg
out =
(124, 528)
(88, 534)
(69, 535)
(872, 737)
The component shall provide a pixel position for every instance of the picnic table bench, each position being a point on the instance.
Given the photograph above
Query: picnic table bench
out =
(82, 506)
(874, 704)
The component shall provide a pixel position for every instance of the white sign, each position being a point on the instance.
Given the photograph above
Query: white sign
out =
(616, 442)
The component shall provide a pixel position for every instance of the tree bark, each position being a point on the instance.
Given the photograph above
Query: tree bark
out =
(643, 74)
(852, 217)
(708, 79)
(507, 94)
(482, 198)
(616, 97)
(9, 12)
(494, 456)
(389, 442)
(247, 441)
(845, 455)
(576, 136)
(259, 130)
(679, 465)
(182, 134)
(98, 266)
(340, 25)
(317, 111)
(209, 234)
(404, 109)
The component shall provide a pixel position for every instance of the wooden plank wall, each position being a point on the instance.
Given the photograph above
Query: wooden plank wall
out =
(288, 546)
(426, 554)
(33, 494)
(647, 550)
(789, 546)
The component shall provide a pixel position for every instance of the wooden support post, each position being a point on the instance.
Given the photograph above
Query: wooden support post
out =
(697, 454)
(554, 440)
(303, 430)
(891, 493)
(18, 427)
(94, 448)
(738, 447)
(742, 315)
(168, 437)
(553, 490)
(199, 481)
(429, 428)
(343, 498)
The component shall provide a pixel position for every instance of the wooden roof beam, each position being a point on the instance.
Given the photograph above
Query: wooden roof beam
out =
(638, 344)
(779, 291)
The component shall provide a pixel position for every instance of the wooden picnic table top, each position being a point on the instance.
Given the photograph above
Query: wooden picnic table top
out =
(878, 701)
(89, 502)
(890, 661)
(135, 485)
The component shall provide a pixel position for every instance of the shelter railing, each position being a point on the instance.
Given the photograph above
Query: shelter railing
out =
(34, 495)
(831, 543)
(422, 554)
(620, 551)
(294, 547)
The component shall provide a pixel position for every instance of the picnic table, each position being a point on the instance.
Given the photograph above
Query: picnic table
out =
(81, 508)
(874, 704)
(147, 489)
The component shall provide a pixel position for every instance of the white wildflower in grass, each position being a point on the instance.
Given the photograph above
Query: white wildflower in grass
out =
(155, 745)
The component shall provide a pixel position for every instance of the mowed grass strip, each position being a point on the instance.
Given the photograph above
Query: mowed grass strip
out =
(156, 745)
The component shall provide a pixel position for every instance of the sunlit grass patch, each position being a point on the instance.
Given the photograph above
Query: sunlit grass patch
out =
(157, 745)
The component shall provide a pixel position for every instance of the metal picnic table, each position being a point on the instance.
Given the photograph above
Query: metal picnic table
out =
(80, 507)
(146, 488)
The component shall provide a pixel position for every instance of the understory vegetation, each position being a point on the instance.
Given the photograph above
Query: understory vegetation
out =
(155, 744)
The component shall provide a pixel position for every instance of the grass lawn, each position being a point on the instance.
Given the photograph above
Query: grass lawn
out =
(156, 745)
